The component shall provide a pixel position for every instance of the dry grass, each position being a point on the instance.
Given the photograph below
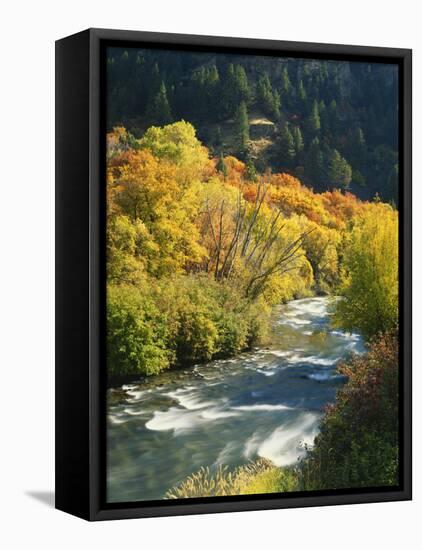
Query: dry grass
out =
(257, 477)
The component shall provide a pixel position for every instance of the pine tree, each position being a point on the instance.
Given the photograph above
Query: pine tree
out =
(298, 141)
(314, 164)
(235, 89)
(333, 119)
(286, 146)
(339, 171)
(357, 148)
(302, 93)
(242, 126)
(285, 82)
(221, 166)
(314, 122)
(268, 99)
(251, 173)
(158, 110)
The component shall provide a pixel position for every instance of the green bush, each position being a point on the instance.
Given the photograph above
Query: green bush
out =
(178, 322)
(136, 333)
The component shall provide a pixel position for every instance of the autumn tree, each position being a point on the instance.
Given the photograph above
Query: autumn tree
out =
(370, 288)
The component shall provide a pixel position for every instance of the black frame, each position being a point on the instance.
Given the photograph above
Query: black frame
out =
(80, 273)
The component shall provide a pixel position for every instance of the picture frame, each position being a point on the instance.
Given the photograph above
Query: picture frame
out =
(81, 382)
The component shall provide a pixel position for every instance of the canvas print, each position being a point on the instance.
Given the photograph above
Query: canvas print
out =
(252, 275)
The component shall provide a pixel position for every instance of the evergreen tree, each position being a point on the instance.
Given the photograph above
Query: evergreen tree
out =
(298, 142)
(286, 85)
(251, 173)
(314, 164)
(268, 99)
(242, 127)
(314, 122)
(357, 148)
(218, 137)
(339, 171)
(221, 166)
(358, 178)
(333, 118)
(235, 90)
(286, 146)
(158, 110)
(276, 105)
(302, 93)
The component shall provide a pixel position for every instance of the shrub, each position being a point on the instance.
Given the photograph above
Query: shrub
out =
(136, 333)
(358, 442)
(178, 322)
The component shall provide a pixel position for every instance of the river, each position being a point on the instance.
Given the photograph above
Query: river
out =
(265, 403)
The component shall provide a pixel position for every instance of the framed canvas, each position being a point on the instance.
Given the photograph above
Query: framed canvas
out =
(233, 274)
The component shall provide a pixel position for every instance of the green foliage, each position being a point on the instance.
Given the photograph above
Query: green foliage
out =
(251, 173)
(187, 320)
(314, 122)
(221, 166)
(339, 171)
(358, 442)
(286, 146)
(356, 115)
(302, 93)
(235, 89)
(298, 142)
(314, 163)
(242, 127)
(136, 333)
(268, 99)
(178, 144)
(159, 109)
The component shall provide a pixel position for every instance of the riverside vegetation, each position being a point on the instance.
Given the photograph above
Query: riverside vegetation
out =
(199, 249)
(282, 185)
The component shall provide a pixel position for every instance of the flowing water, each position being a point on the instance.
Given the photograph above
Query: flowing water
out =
(266, 403)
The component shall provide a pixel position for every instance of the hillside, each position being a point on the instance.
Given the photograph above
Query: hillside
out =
(330, 123)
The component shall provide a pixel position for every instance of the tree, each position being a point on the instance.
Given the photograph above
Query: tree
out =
(301, 92)
(268, 99)
(314, 122)
(333, 118)
(251, 173)
(370, 288)
(339, 171)
(178, 144)
(298, 141)
(285, 82)
(235, 89)
(158, 110)
(357, 148)
(242, 127)
(314, 163)
(286, 146)
(221, 166)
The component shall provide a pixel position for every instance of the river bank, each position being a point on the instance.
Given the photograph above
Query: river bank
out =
(265, 403)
